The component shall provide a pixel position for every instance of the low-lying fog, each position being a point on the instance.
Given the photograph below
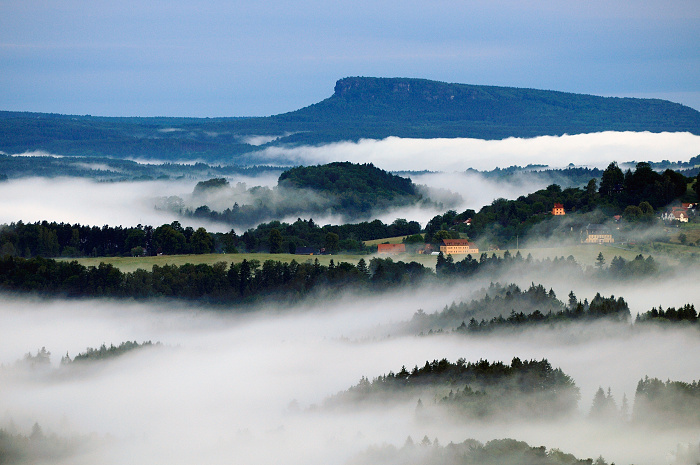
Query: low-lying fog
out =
(131, 203)
(229, 388)
(78, 200)
(592, 150)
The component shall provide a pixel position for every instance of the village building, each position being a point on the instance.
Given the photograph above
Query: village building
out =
(597, 234)
(458, 246)
(391, 248)
(558, 209)
(427, 249)
(680, 215)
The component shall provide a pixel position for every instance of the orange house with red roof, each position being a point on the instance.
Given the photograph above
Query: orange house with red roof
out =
(558, 209)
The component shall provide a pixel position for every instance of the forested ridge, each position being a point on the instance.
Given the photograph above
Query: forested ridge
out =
(476, 389)
(635, 195)
(348, 190)
(51, 239)
(469, 452)
(513, 308)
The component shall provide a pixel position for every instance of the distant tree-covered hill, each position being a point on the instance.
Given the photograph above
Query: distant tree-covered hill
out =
(360, 107)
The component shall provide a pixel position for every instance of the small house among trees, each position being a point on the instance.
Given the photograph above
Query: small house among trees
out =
(558, 210)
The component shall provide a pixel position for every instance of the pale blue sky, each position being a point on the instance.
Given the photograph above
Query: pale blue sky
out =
(245, 58)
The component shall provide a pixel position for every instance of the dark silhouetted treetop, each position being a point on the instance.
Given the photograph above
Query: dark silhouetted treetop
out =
(219, 283)
(515, 309)
(104, 352)
(686, 313)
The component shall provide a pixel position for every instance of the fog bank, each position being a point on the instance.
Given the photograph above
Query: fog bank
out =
(236, 388)
(592, 150)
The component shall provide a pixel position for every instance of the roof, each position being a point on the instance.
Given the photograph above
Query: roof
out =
(454, 242)
(558, 205)
(391, 247)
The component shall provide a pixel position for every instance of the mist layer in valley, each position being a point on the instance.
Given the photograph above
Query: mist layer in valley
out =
(162, 202)
(592, 150)
(447, 184)
(249, 387)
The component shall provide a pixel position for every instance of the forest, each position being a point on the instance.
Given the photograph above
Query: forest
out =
(347, 190)
(251, 279)
(635, 195)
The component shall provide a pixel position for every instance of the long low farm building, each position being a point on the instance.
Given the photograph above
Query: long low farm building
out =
(457, 247)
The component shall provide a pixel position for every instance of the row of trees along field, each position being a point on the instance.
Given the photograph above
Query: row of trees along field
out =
(247, 279)
(74, 240)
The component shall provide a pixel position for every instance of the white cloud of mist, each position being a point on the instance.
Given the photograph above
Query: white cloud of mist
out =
(260, 139)
(592, 150)
(36, 153)
(78, 200)
(221, 388)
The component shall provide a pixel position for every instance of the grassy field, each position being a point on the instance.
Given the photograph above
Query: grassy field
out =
(390, 240)
(691, 231)
(584, 254)
(146, 263)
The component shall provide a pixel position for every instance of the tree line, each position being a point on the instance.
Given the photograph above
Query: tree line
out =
(220, 282)
(51, 239)
(477, 389)
(469, 452)
(620, 268)
(248, 279)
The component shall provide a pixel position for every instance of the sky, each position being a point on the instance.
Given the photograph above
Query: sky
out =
(245, 58)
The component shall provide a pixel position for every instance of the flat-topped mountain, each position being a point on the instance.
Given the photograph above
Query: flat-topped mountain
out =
(360, 107)
(421, 108)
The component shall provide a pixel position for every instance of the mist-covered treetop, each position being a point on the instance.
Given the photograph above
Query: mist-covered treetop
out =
(341, 177)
